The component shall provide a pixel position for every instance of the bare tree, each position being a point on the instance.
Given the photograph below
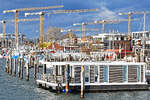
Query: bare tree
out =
(54, 33)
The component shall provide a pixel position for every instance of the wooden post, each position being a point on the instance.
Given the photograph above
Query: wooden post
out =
(35, 70)
(6, 66)
(44, 68)
(19, 67)
(27, 71)
(22, 66)
(67, 78)
(30, 61)
(82, 81)
(14, 67)
(37, 67)
(10, 65)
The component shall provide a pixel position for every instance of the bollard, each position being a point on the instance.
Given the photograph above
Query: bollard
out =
(30, 57)
(35, 70)
(82, 81)
(6, 66)
(21, 65)
(10, 65)
(15, 67)
(27, 71)
(37, 67)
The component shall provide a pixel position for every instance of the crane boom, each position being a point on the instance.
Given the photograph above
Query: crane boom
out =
(129, 18)
(103, 22)
(19, 20)
(26, 9)
(55, 12)
(36, 8)
(73, 11)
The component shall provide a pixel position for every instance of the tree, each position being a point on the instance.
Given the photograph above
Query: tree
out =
(54, 33)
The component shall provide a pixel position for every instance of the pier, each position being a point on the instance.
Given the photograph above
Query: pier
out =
(66, 59)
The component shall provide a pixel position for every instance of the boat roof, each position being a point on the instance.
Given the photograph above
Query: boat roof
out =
(89, 63)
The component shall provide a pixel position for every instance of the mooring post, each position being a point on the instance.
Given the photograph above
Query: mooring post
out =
(37, 62)
(67, 78)
(6, 67)
(27, 70)
(32, 61)
(82, 81)
(14, 67)
(35, 70)
(19, 67)
(10, 65)
(21, 64)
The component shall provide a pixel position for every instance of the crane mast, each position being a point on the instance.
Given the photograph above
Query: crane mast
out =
(129, 19)
(54, 12)
(19, 20)
(16, 11)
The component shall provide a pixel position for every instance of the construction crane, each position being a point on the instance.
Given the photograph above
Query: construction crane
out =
(19, 20)
(83, 27)
(129, 18)
(55, 12)
(16, 11)
(73, 30)
(103, 22)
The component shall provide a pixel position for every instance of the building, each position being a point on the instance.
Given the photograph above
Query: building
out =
(10, 40)
(113, 41)
(141, 42)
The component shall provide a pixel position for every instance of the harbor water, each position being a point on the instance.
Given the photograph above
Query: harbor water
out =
(13, 88)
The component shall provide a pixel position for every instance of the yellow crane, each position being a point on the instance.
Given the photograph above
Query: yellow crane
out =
(113, 21)
(73, 30)
(19, 20)
(83, 27)
(16, 11)
(129, 18)
(55, 12)
(103, 22)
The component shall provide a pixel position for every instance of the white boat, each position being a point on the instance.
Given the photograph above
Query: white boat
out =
(99, 76)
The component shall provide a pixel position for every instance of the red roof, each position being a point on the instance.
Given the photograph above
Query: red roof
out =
(57, 46)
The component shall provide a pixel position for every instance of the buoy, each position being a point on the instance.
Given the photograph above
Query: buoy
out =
(64, 91)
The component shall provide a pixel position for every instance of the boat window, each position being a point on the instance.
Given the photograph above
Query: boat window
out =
(124, 73)
(58, 70)
(105, 73)
(138, 73)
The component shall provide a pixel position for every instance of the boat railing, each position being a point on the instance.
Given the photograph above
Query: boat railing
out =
(50, 78)
(46, 77)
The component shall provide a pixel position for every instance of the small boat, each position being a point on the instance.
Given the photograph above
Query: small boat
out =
(98, 76)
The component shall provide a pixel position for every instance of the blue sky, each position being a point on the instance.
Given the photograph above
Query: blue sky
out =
(108, 10)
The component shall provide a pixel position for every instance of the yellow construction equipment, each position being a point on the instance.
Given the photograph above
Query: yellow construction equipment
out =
(55, 12)
(129, 18)
(103, 22)
(73, 30)
(16, 11)
(113, 21)
(83, 27)
(19, 20)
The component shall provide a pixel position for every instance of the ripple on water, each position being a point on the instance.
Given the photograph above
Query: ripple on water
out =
(12, 88)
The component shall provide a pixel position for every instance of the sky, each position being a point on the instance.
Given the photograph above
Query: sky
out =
(108, 9)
